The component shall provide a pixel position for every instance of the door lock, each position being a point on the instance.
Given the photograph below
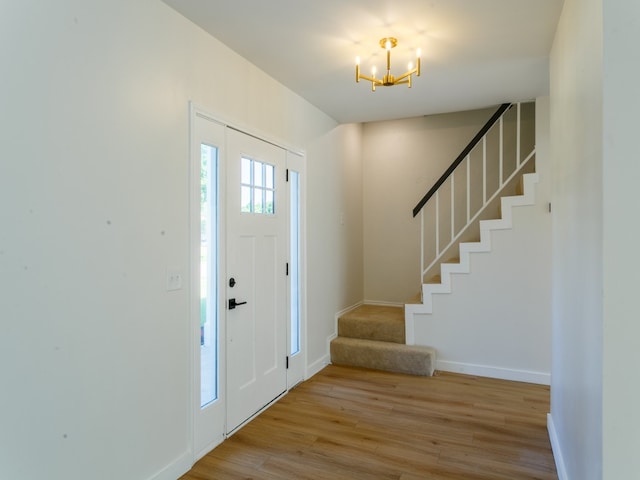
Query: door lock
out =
(233, 304)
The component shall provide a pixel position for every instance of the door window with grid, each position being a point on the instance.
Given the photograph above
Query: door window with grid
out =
(257, 187)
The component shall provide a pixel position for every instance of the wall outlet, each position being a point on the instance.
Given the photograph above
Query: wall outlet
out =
(174, 280)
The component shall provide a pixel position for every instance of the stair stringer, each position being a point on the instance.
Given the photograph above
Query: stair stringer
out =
(466, 249)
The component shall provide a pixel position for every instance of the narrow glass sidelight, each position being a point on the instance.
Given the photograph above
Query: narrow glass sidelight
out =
(294, 270)
(209, 327)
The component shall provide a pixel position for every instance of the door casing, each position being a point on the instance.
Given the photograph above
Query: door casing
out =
(297, 364)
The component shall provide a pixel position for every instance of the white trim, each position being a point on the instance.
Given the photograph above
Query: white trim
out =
(382, 303)
(555, 448)
(299, 165)
(249, 130)
(319, 364)
(410, 310)
(183, 464)
(176, 468)
(196, 113)
(325, 360)
(335, 325)
(208, 448)
(343, 312)
(502, 373)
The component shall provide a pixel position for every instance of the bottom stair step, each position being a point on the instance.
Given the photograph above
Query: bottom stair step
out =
(389, 356)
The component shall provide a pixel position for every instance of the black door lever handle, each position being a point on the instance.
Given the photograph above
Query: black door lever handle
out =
(233, 304)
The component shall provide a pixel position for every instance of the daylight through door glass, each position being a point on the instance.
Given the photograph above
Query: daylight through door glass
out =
(208, 275)
(257, 187)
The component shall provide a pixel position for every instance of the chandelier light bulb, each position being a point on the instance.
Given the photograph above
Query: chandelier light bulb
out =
(357, 60)
(419, 53)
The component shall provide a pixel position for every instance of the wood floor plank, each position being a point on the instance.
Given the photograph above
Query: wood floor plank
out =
(356, 424)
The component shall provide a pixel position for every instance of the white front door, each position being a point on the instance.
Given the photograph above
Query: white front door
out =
(256, 284)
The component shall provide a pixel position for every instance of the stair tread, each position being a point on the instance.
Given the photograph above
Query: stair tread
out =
(376, 312)
(389, 356)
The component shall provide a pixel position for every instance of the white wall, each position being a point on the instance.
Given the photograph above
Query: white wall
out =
(621, 231)
(94, 210)
(576, 152)
(497, 320)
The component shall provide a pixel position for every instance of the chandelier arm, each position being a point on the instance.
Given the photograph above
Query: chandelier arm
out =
(409, 73)
(377, 81)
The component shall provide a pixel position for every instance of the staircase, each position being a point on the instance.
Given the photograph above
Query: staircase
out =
(458, 224)
(441, 283)
(373, 336)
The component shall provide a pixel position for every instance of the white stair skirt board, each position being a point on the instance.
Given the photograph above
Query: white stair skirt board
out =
(555, 448)
(466, 249)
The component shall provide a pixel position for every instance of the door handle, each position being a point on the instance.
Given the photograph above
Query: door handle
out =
(233, 304)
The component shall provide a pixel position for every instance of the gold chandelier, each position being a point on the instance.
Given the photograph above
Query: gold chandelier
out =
(388, 79)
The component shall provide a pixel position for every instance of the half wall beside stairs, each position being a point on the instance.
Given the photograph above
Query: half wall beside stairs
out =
(496, 320)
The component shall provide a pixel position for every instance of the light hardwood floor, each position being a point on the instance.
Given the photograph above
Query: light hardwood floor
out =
(348, 423)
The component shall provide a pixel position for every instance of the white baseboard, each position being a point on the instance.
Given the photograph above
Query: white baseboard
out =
(175, 469)
(381, 303)
(208, 448)
(345, 310)
(318, 365)
(540, 378)
(325, 360)
(555, 448)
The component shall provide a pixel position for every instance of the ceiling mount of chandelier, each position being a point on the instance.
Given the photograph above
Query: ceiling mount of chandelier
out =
(388, 79)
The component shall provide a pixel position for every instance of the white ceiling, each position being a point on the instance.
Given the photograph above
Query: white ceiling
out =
(476, 53)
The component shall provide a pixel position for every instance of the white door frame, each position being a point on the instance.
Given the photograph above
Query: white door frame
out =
(205, 130)
(298, 159)
(297, 363)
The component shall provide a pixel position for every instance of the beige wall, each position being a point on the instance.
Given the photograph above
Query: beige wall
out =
(335, 260)
(402, 159)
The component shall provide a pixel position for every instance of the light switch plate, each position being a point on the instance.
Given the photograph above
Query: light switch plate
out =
(174, 280)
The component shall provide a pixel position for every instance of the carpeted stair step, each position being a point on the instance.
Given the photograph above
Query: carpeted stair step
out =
(388, 356)
(373, 322)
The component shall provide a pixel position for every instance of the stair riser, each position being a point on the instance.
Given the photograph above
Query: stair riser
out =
(383, 356)
(371, 330)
